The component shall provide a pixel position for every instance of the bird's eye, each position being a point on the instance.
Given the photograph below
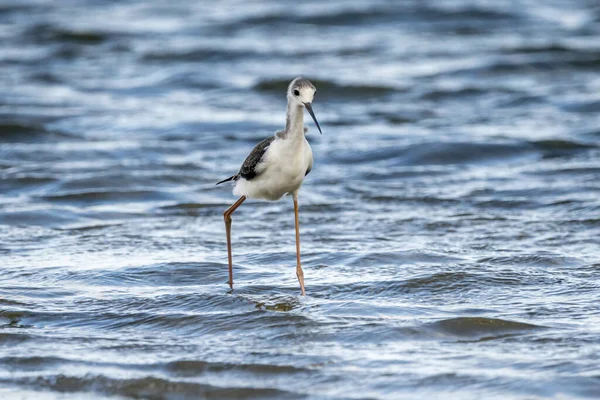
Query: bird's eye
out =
(296, 92)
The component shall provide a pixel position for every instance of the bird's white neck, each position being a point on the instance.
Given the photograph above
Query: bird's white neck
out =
(294, 121)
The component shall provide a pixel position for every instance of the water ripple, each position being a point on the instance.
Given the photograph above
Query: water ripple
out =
(448, 228)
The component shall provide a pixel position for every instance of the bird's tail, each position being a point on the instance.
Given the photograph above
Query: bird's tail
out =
(231, 178)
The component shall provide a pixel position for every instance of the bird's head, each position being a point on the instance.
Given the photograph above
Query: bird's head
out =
(301, 92)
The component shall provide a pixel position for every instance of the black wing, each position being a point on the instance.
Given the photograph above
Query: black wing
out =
(248, 170)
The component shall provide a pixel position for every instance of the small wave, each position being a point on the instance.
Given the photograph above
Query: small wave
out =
(585, 106)
(339, 18)
(402, 116)
(205, 319)
(180, 322)
(25, 132)
(33, 363)
(481, 327)
(593, 133)
(540, 260)
(400, 258)
(7, 8)
(11, 339)
(442, 282)
(48, 33)
(553, 55)
(147, 387)
(569, 171)
(469, 12)
(89, 227)
(190, 208)
(165, 274)
(552, 145)
(454, 94)
(173, 303)
(203, 55)
(179, 368)
(378, 14)
(437, 153)
(47, 217)
(532, 64)
(195, 367)
(328, 89)
(535, 49)
(100, 196)
(22, 181)
(437, 283)
(462, 153)
(47, 77)
(9, 302)
(523, 101)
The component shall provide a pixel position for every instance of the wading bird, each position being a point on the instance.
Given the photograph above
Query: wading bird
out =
(277, 165)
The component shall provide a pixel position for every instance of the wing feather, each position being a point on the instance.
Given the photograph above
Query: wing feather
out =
(249, 167)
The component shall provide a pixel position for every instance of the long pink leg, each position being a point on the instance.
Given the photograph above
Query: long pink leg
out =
(227, 216)
(299, 272)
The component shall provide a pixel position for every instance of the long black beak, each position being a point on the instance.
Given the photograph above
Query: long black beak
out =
(312, 114)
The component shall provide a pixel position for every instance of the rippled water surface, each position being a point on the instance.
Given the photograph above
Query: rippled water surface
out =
(450, 225)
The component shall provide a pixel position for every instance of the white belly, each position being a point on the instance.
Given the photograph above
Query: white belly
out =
(282, 171)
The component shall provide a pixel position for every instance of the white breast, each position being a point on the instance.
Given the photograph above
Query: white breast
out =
(282, 170)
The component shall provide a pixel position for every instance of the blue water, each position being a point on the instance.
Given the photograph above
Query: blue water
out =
(450, 225)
